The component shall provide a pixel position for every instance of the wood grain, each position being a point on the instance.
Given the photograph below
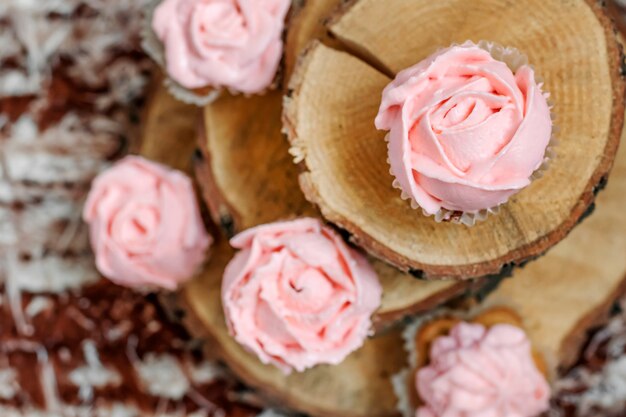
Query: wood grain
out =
(169, 129)
(334, 97)
(308, 18)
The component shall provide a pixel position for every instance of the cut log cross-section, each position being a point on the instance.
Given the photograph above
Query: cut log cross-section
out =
(334, 97)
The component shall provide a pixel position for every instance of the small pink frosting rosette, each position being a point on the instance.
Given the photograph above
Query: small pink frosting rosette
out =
(468, 127)
(205, 46)
(145, 227)
(297, 296)
(474, 371)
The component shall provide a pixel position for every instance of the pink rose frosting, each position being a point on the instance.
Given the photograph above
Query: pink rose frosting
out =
(296, 295)
(145, 227)
(479, 372)
(465, 133)
(222, 43)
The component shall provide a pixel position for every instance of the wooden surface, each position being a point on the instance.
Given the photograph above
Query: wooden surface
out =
(334, 97)
(571, 289)
(307, 22)
(169, 129)
(249, 179)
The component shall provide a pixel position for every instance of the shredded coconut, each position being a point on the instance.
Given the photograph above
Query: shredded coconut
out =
(162, 376)
(8, 384)
(93, 374)
(37, 305)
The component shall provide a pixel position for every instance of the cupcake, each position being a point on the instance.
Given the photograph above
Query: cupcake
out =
(145, 227)
(205, 46)
(482, 367)
(468, 127)
(297, 296)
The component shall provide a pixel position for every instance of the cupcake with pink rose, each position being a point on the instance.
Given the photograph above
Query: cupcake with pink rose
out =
(468, 128)
(471, 367)
(145, 227)
(207, 46)
(296, 295)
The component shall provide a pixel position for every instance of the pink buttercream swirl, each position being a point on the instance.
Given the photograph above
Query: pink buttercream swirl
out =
(297, 296)
(145, 226)
(465, 132)
(235, 44)
(479, 372)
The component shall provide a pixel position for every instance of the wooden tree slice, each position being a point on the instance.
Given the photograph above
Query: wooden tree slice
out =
(360, 386)
(572, 289)
(249, 179)
(334, 97)
(306, 23)
(248, 163)
(169, 129)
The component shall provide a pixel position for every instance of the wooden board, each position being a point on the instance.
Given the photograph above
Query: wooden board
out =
(334, 97)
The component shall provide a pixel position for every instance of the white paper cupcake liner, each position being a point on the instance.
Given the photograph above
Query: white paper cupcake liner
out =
(514, 59)
(154, 48)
